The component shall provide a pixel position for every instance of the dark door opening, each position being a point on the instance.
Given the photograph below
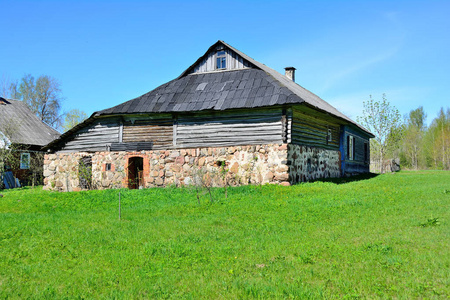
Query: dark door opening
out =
(85, 172)
(135, 172)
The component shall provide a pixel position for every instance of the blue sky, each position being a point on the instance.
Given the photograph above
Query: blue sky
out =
(106, 52)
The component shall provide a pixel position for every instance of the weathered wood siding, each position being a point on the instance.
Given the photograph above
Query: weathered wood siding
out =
(312, 131)
(158, 131)
(233, 61)
(360, 162)
(246, 127)
(98, 136)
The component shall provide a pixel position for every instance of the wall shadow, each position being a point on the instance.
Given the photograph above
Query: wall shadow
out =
(342, 180)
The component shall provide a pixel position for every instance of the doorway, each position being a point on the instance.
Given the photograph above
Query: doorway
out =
(135, 172)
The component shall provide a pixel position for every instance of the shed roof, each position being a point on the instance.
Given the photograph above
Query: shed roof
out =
(23, 125)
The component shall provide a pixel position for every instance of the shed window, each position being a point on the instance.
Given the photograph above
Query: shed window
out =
(108, 167)
(25, 160)
(329, 136)
(221, 60)
(350, 147)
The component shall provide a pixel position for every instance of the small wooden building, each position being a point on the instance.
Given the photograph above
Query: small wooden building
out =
(225, 109)
(22, 135)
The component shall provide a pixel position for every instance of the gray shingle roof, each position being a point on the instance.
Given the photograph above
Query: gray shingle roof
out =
(242, 88)
(25, 127)
(252, 87)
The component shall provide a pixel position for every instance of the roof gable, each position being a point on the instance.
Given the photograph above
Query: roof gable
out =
(208, 62)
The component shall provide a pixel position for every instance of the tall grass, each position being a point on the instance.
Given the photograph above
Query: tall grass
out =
(382, 237)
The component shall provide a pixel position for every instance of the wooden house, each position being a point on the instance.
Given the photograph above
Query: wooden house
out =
(22, 135)
(225, 109)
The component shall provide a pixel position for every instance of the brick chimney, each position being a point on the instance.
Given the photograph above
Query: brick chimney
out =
(290, 73)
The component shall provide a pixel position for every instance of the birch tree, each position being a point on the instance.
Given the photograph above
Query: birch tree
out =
(43, 97)
(384, 121)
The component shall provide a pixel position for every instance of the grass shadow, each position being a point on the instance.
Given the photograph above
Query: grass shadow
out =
(343, 180)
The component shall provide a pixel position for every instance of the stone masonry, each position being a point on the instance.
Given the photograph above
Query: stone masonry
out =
(278, 163)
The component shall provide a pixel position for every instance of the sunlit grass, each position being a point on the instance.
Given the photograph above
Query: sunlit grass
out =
(386, 236)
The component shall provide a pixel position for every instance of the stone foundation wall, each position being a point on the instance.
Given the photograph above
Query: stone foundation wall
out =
(245, 165)
(309, 163)
(280, 164)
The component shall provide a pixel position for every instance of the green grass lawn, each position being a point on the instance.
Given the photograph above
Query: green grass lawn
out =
(381, 237)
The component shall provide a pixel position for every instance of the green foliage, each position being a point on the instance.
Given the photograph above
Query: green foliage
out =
(412, 140)
(42, 95)
(72, 118)
(338, 239)
(438, 141)
(430, 222)
(384, 121)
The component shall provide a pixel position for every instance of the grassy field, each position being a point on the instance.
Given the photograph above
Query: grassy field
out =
(381, 237)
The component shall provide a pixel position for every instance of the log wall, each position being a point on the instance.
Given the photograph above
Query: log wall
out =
(312, 131)
(97, 136)
(157, 131)
(243, 127)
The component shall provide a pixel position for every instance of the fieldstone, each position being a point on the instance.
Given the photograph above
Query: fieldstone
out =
(159, 181)
(231, 150)
(285, 183)
(269, 176)
(179, 160)
(234, 168)
(106, 183)
(281, 176)
(201, 161)
(282, 168)
(174, 154)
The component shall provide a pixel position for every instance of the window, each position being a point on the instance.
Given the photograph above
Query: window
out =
(330, 136)
(350, 147)
(108, 167)
(25, 160)
(221, 60)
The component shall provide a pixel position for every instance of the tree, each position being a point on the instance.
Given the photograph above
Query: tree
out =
(7, 148)
(43, 96)
(384, 121)
(413, 137)
(438, 139)
(72, 118)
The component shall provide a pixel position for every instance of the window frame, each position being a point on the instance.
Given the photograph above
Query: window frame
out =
(222, 58)
(350, 147)
(25, 165)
